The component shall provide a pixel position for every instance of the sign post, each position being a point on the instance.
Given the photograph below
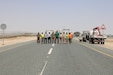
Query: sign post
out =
(3, 27)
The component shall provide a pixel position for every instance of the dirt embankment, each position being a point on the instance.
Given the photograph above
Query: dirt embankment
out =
(108, 43)
(14, 40)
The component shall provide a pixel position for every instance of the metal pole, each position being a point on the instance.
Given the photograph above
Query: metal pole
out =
(102, 31)
(3, 27)
(3, 37)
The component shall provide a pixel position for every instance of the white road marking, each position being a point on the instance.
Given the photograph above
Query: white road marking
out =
(50, 51)
(53, 45)
(46, 62)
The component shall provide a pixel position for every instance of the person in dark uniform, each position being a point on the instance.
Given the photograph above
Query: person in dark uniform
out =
(38, 37)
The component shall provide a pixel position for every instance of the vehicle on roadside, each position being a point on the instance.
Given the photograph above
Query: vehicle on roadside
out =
(94, 36)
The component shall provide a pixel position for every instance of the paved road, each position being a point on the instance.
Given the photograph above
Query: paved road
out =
(55, 59)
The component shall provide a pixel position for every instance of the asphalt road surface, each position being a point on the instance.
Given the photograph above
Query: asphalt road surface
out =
(77, 58)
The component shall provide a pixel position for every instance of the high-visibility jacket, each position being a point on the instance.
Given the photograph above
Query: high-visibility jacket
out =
(42, 35)
(70, 35)
(66, 36)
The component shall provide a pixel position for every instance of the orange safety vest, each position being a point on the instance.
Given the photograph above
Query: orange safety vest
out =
(70, 36)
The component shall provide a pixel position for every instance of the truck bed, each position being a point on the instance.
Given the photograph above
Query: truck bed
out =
(103, 37)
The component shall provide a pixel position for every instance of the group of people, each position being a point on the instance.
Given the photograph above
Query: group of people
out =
(54, 37)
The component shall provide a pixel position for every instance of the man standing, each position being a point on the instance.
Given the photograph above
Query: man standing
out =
(42, 37)
(56, 37)
(52, 37)
(45, 37)
(61, 38)
(49, 37)
(38, 37)
(70, 37)
(67, 37)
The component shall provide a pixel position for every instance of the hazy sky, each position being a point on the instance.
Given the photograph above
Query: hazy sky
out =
(41, 15)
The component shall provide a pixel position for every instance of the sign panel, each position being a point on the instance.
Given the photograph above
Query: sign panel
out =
(3, 26)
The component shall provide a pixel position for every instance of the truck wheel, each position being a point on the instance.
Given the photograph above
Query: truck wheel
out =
(92, 41)
(98, 42)
(101, 42)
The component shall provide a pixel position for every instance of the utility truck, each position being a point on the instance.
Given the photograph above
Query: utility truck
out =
(95, 35)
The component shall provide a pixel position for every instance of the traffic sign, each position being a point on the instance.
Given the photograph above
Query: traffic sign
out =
(3, 26)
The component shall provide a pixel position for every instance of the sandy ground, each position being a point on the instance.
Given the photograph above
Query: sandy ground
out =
(11, 41)
(108, 43)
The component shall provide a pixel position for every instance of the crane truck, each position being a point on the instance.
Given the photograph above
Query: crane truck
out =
(94, 36)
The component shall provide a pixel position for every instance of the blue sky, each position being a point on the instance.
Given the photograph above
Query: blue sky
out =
(41, 15)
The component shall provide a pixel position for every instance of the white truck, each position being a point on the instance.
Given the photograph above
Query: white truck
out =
(94, 36)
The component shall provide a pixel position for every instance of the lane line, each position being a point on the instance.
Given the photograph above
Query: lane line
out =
(53, 45)
(50, 51)
(97, 50)
(46, 62)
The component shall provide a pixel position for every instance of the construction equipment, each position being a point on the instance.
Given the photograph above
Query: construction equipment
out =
(94, 36)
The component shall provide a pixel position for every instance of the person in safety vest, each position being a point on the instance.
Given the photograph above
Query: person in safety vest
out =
(67, 38)
(70, 37)
(42, 37)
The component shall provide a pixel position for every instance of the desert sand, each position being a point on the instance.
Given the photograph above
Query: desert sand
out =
(108, 43)
(15, 40)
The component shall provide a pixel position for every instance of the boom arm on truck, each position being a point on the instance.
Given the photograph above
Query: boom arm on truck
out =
(97, 28)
